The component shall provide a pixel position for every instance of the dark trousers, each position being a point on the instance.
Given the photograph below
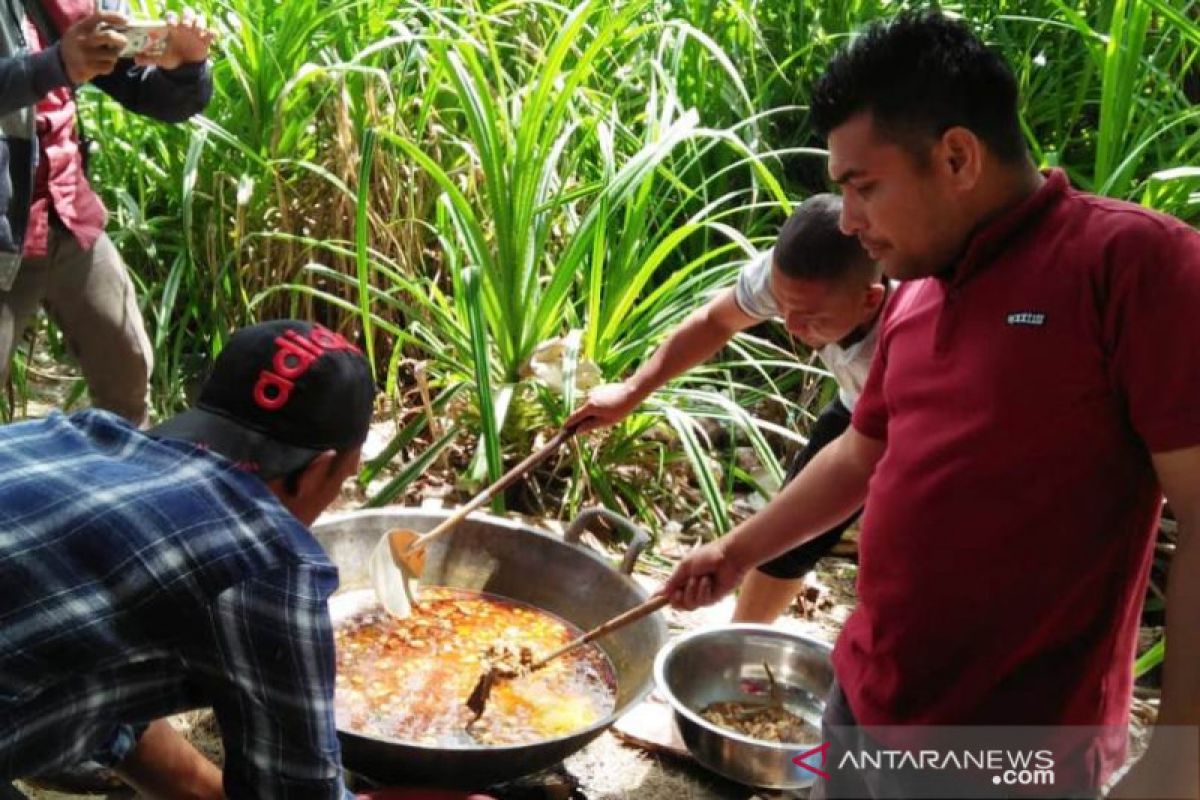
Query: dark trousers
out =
(831, 423)
(92, 298)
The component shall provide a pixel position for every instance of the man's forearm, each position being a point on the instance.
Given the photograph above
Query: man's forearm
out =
(165, 766)
(1171, 765)
(165, 95)
(24, 80)
(1174, 753)
(697, 339)
(825, 492)
(1181, 669)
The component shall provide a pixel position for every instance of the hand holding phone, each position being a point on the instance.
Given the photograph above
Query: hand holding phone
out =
(187, 41)
(144, 38)
(90, 46)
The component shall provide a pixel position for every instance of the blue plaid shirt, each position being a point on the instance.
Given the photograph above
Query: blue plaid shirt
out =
(143, 577)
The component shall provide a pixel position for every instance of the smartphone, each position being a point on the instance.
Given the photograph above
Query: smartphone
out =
(144, 38)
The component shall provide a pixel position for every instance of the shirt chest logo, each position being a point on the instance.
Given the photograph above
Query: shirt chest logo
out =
(1031, 318)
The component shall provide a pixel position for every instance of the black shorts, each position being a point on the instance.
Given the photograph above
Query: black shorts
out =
(831, 423)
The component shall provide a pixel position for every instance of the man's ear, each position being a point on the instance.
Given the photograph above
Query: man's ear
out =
(960, 154)
(316, 474)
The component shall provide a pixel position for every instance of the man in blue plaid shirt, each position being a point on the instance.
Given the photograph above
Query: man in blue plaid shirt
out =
(148, 573)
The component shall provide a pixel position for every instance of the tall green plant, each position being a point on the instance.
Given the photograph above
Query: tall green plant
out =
(599, 168)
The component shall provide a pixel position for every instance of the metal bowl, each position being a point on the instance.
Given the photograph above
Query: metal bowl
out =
(726, 664)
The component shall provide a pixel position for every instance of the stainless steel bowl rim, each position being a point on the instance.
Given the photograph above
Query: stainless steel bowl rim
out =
(666, 653)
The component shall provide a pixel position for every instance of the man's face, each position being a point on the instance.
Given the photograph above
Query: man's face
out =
(321, 483)
(905, 214)
(822, 312)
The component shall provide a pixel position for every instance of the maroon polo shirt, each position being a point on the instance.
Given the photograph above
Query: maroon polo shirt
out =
(60, 181)
(1009, 526)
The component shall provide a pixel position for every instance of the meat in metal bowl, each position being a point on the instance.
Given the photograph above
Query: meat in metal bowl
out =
(738, 664)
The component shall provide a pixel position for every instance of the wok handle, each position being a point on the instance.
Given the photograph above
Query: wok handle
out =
(632, 615)
(502, 483)
(639, 539)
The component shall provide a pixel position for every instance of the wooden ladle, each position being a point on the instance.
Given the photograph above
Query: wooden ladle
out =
(403, 549)
(477, 702)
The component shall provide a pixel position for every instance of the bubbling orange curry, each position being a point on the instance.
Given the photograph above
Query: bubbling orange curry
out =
(409, 679)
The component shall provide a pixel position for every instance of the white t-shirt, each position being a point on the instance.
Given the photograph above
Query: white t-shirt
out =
(849, 365)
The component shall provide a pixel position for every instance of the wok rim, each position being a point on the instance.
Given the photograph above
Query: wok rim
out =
(515, 526)
(478, 516)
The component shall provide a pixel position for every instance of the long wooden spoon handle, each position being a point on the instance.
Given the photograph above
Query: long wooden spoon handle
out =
(502, 483)
(632, 615)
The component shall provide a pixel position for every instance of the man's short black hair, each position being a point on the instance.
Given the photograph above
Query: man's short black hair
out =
(812, 247)
(920, 74)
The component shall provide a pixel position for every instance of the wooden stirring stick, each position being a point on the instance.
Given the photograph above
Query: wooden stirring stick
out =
(477, 702)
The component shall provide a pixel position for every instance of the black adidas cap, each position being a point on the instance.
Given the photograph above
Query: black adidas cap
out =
(279, 394)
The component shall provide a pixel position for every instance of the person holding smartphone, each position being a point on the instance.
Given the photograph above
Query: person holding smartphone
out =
(53, 249)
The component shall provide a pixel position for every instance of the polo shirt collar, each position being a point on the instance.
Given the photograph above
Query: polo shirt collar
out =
(990, 239)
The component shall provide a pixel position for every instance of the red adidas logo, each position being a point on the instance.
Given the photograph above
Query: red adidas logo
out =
(294, 355)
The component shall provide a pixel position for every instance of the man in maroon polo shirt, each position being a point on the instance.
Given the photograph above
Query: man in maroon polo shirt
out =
(53, 250)
(1032, 399)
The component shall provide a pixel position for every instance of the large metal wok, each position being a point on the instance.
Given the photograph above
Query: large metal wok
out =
(489, 554)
